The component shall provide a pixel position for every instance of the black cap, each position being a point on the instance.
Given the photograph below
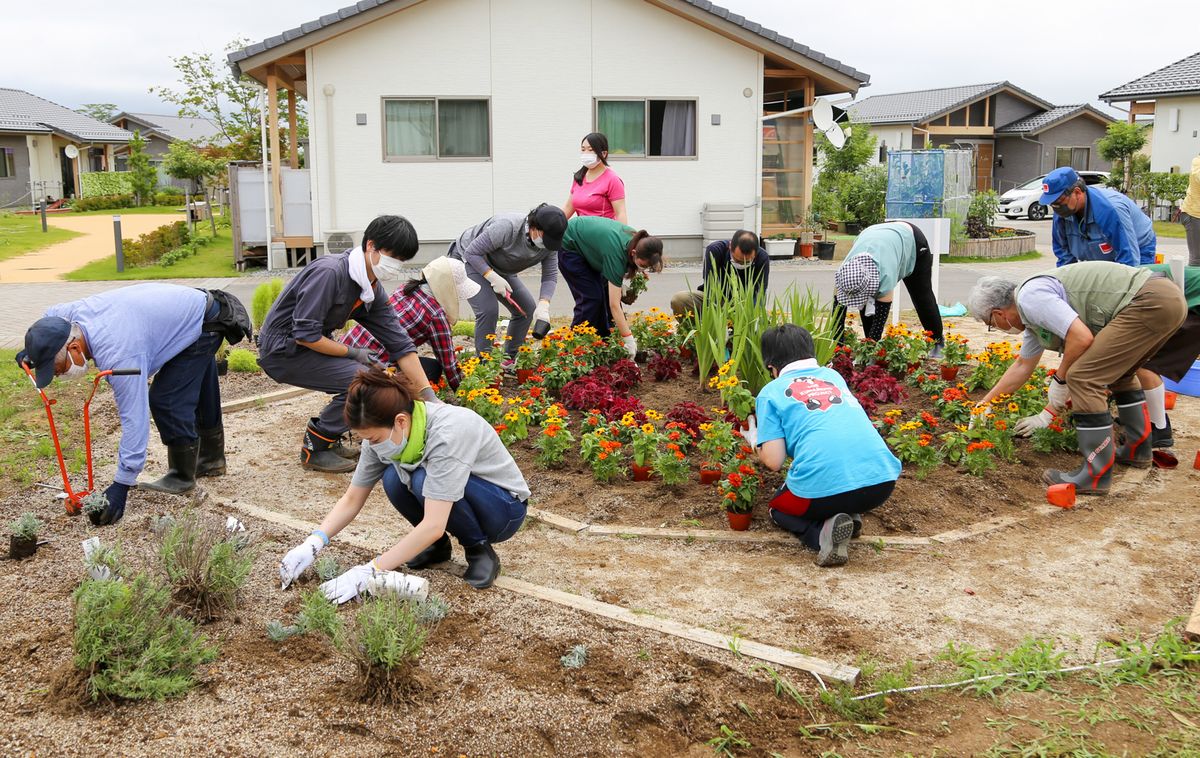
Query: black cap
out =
(43, 340)
(553, 223)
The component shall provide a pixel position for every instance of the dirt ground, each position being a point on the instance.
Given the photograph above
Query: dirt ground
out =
(1114, 566)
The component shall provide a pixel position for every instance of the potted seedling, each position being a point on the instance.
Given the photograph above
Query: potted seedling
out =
(223, 359)
(954, 355)
(22, 543)
(783, 246)
(716, 444)
(527, 361)
(739, 487)
(637, 285)
(645, 442)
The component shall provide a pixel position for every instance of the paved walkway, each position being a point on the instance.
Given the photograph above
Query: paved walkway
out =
(96, 242)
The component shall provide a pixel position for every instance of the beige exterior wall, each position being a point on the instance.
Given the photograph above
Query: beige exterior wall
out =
(1175, 149)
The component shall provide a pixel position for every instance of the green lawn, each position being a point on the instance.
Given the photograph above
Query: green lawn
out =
(23, 234)
(1168, 229)
(148, 210)
(215, 258)
(1034, 255)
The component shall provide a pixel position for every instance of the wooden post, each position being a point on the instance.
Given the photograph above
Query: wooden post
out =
(807, 186)
(273, 134)
(293, 143)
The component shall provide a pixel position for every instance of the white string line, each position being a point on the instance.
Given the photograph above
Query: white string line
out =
(1067, 670)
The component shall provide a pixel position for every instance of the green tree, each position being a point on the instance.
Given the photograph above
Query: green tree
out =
(99, 111)
(856, 153)
(184, 161)
(847, 189)
(143, 178)
(1119, 143)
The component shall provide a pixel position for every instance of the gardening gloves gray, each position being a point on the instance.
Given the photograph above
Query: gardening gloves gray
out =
(350, 584)
(112, 513)
(298, 559)
(362, 355)
(1030, 424)
(499, 284)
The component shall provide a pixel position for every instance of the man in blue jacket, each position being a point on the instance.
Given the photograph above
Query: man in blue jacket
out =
(742, 256)
(1095, 223)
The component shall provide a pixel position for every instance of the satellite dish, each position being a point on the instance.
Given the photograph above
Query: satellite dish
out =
(71, 152)
(822, 114)
(836, 136)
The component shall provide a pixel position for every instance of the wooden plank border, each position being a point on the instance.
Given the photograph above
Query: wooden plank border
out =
(241, 404)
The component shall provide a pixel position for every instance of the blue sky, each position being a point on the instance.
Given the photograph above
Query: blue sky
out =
(80, 51)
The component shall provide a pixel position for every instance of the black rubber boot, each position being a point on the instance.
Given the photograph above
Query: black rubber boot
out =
(1094, 477)
(483, 566)
(181, 471)
(1135, 421)
(438, 552)
(1161, 438)
(317, 455)
(212, 452)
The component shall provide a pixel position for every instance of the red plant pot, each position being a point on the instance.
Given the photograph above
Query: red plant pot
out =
(949, 373)
(640, 473)
(1196, 465)
(1062, 495)
(806, 249)
(1169, 400)
(713, 475)
(523, 375)
(738, 522)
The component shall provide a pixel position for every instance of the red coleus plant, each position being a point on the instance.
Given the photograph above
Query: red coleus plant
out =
(622, 376)
(586, 393)
(620, 405)
(665, 366)
(690, 415)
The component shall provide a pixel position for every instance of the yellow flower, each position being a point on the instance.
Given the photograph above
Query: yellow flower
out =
(648, 428)
(654, 415)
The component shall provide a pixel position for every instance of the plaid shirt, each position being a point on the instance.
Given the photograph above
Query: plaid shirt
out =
(422, 317)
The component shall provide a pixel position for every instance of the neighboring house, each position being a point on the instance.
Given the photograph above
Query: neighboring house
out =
(160, 131)
(1172, 95)
(1014, 134)
(481, 108)
(35, 135)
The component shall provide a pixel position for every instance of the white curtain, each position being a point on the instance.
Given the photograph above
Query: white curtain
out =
(409, 127)
(679, 128)
(463, 128)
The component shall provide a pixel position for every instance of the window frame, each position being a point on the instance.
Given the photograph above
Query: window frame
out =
(645, 101)
(1072, 149)
(8, 162)
(437, 135)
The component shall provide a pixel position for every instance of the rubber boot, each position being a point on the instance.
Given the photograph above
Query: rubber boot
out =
(212, 452)
(483, 566)
(1135, 421)
(181, 471)
(438, 552)
(317, 455)
(1161, 438)
(1094, 477)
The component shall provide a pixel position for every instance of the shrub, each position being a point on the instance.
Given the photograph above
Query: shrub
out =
(264, 297)
(463, 329)
(129, 645)
(984, 206)
(318, 614)
(102, 202)
(243, 361)
(205, 565)
(94, 183)
(147, 249)
(26, 527)
(162, 197)
(383, 643)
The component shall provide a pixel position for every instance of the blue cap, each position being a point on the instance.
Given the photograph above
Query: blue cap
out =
(1056, 183)
(43, 340)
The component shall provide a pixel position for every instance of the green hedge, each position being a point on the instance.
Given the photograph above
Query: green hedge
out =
(114, 202)
(149, 248)
(104, 183)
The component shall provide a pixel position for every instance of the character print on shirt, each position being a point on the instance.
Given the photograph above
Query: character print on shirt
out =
(816, 394)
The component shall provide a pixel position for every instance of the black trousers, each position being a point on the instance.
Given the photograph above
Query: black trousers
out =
(808, 526)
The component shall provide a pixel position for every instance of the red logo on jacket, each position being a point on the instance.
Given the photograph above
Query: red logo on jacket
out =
(816, 394)
(1105, 248)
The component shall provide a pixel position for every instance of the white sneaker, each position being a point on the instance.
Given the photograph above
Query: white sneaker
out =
(835, 540)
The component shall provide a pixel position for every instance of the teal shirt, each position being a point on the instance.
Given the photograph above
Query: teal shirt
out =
(602, 243)
(893, 249)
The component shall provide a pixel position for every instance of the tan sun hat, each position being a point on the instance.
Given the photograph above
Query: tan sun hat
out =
(448, 279)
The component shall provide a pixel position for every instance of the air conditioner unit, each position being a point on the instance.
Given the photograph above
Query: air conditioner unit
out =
(339, 242)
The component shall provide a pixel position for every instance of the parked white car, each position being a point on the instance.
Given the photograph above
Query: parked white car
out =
(1023, 201)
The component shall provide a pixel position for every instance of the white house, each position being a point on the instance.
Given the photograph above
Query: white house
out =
(1172, 94)
(449, 111)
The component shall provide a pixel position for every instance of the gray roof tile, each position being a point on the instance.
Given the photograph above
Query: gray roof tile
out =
(329, 19)
(21, 111)
(201, 130)
(1041, 121)
(919, 106)
(1179, 78)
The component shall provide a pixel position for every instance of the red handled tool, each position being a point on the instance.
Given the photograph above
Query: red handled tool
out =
(508, 298)
(73, 500)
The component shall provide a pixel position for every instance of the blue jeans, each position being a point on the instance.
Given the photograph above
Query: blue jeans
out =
(185, 395)
(486, 513)
(590, 290)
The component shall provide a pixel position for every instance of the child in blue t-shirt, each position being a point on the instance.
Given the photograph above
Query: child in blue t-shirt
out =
(841, 467)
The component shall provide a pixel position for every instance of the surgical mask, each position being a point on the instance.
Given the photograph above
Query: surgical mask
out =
(387, 268)
(76, 370)
(740, 266)
(539, 243)
(1010, 329)
(589, 159)
(388, 450)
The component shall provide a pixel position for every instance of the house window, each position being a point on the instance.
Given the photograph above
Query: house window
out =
(648, 128)
(436, 128)
(1075, 157)
(7, 169)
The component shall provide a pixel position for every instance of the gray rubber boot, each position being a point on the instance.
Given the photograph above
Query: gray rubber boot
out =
(317, 453)
(1135, 421)
(1094, 477)
(181, 473)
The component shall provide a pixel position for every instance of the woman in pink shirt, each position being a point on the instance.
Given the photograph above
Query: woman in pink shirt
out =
(597, 190)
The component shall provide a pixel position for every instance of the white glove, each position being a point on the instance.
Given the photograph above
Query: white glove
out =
(543, 311)
(499, 285)
(1028, 425)
(298, 559)
(750, 433)
(1057, 394)
(977, 418)
(630, 343)
(349, 585)
(398, 584)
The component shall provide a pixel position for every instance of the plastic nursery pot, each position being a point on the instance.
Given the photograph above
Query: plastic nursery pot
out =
(523, 375)
(806, 250)
(738, 522)
(222, 368)
(949, 373)
(1169, 400)
(21, 547)
(640, 473)
(1062, 495)
(713, 475)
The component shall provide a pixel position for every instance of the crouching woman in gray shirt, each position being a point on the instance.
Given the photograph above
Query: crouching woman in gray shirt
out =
(443, 468)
